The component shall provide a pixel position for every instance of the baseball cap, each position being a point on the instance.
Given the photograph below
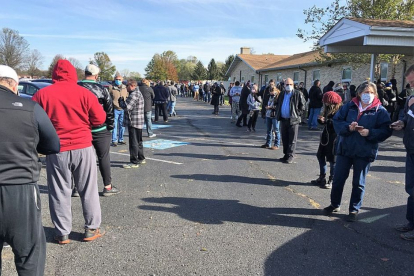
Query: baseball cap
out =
(92, 69)
(8, 72)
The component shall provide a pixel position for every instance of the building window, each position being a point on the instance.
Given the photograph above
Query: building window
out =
(316, 75)
(234, 79)
(242, 80)
(266, 78)
(278, 77)
(384, 71)
(296, 77)
(346, 74)
(252, 79)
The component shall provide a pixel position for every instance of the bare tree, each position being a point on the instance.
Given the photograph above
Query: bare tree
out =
(13, 49)
(125, 73)
(34, 61)
(78, 66)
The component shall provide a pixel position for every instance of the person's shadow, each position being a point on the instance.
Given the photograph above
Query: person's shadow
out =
(329, 246)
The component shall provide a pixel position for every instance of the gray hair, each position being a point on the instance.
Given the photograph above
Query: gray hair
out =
(361, 88)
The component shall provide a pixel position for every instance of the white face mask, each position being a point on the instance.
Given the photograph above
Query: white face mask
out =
(288, 88)
(367, 98)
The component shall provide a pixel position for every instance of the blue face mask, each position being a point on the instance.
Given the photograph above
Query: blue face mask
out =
(118, 82)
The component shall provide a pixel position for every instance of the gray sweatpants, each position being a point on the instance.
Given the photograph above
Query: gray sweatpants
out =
(61, 168)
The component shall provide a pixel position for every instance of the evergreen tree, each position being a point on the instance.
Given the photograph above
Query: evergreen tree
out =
(226, 67)
(200, 72)
(212, 70)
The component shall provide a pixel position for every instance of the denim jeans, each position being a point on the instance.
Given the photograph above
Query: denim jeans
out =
(313, 117)
(148, 122)
(272, 123)
(409, 186)
(342, 168)
(323, 167)
(119, 129)
(171, 106)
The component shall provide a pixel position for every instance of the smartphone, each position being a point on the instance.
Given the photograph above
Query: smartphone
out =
(359, 127)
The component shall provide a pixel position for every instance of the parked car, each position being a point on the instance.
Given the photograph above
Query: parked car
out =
(105, 83)
(27, 88)
(43, 80)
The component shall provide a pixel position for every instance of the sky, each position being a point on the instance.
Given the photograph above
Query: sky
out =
(132, 31)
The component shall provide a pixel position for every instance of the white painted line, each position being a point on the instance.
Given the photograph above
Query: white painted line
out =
(208, 140)
(372, 219)
(153, 159)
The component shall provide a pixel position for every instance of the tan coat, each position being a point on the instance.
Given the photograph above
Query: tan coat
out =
(117, 92)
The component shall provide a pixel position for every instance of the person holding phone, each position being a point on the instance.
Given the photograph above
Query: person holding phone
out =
(360, 125)
(407, 123)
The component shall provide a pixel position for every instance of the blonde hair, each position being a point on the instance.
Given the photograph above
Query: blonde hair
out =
(333, 108)
(146, 82)
(274, 89)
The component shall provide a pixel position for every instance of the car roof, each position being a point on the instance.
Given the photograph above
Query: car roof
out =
(36, 84)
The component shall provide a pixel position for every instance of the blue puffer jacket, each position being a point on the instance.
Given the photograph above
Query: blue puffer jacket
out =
(351, 143)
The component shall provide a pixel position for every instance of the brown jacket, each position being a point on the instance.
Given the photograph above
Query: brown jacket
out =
(117, 92)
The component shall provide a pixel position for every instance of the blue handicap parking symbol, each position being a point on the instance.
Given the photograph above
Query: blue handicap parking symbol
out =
(160, 126)
(161, 144)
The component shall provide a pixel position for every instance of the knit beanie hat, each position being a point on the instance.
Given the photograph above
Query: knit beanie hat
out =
(331, 98)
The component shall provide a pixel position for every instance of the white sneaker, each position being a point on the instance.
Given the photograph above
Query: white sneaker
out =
(130, 166)
(152, 135)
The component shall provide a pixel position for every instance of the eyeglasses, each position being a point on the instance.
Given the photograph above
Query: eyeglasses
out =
(118, 79)
(289, 84)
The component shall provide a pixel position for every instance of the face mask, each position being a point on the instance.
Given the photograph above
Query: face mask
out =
(118, 82)
(288, 88)
(367, 98)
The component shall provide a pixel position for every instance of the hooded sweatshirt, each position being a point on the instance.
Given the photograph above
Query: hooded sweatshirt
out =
(72, 109)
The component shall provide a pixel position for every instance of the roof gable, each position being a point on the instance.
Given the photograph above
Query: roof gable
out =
(257, 62)
(301, 59)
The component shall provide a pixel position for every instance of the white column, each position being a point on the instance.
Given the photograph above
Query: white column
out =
(372, 70)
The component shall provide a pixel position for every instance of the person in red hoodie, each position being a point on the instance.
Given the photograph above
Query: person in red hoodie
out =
(73, 110)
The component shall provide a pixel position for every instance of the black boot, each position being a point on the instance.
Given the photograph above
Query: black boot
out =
(328, 184)
(321, 181)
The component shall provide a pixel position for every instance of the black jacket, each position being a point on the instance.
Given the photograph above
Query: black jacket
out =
(26, 131)
(161, 94)
(244, 107)
(297, 106)
(216, 93)
(104, 99)
(329, 87)
(148, 95)
(265, 94)
(315, 97)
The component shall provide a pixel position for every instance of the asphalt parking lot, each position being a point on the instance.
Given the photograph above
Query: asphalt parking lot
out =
(210, 201)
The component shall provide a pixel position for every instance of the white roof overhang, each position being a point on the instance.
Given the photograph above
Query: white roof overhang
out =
(348, 36)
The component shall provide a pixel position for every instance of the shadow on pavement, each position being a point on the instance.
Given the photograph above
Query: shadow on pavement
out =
(329, 246)
(50, 234)
(239, 179)
(214, 211)
(368, 247)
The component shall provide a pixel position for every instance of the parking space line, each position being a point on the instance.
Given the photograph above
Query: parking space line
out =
(153, 159)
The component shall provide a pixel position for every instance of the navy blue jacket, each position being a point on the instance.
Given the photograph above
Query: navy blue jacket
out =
(351, 143)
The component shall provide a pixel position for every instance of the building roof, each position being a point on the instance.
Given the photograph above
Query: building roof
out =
(294, 61)
(373, 36)
(255, 62)
(260, 61)
(384, 22)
